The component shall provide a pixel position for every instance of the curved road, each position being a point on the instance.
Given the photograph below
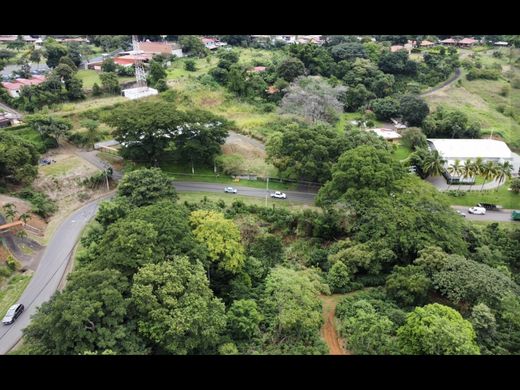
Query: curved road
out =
(443, 85)
(49, 273)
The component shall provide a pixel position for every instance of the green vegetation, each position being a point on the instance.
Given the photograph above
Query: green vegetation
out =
(11, 290)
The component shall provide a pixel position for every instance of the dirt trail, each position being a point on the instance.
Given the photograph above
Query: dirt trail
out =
(328, 330)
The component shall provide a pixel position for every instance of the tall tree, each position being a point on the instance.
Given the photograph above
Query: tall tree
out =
(437, 330)
(176, 309)
(146, 186)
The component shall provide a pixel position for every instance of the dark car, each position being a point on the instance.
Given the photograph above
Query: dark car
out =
(489, 206)
(13, 313)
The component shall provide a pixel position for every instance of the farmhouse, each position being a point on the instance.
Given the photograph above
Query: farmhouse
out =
(427, 44)
(212, 43)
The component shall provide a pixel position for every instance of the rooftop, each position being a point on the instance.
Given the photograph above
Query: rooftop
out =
(387, 134)
(156, 47)
(471, 148)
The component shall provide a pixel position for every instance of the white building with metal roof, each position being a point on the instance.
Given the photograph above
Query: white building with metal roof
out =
(464, 149)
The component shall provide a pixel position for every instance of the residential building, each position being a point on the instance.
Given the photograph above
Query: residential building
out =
(7, 119)
(212, 43)
(395, 48)
(467, 42)
(257, 69)
(449, 42)
(427, 44)
(13, 88)
(500, 43)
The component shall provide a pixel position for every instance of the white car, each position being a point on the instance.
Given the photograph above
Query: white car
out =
(230, 190)
(477, 210)
(278, 195)
(461, 213)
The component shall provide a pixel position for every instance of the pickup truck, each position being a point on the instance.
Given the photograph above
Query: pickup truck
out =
(489, 206)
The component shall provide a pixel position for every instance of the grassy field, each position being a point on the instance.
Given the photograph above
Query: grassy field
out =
(249, 200)
(481, 99)
(62, 167)
(90, 77)
(503, 197)
(11, 292)
(30, 135)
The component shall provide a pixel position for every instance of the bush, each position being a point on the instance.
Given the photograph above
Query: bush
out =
(515, 185)
(504, 91)
(42, 205)
(161, 85)
(456, 193)
(486, 74)
(515, 83)
(189, 65)
(11, 263)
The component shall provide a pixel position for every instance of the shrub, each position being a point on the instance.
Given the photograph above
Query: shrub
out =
(515, 185)
(189, 65)
(515, 83)
(456, 193)
(11, 263)
(504, 91)
(42, 205)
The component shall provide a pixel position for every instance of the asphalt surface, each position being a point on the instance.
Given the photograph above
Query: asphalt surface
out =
(49, 273)
(303, 197)
(454, 78)
(503, 215)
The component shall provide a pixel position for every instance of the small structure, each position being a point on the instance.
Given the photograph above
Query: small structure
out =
(427, 44)
(467, 42)
(139, 92)
(449, 42)
(388, 134)
(8, 38)
(212, 43)
(303, 39)
(257, 69)
(500, 43)
(395, 48)
(164, 48)
(13, 89)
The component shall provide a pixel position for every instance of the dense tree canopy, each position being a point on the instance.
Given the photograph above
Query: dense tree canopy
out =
(305, 153)
(437, 330)
(145, 186)
(177, 310)
(18, 159)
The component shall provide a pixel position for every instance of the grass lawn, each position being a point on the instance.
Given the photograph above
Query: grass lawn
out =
(62, 167)
(502, 197)
(89, 78)
(479, 99)
(30, 135)
(230, 198)
(12, 291)
(401, 153)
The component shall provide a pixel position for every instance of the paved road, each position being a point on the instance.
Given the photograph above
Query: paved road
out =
(454, 78)
(50, 271)
(303, 197)
(11, 110)
(503, 215)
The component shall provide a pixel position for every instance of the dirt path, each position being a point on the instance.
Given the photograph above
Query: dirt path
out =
(328, 330)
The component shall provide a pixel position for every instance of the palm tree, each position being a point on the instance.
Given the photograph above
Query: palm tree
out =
(478, 165)
(468, 171)
(433, 164)
(503, 172)
(454, 170)
(489, 170)
(24, 217)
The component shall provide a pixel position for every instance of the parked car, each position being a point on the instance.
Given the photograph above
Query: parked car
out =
(515, 215)
(13, 313)
(489, 206)
(461, 213)
(230, 190)
(477, 210)
(278, 195)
